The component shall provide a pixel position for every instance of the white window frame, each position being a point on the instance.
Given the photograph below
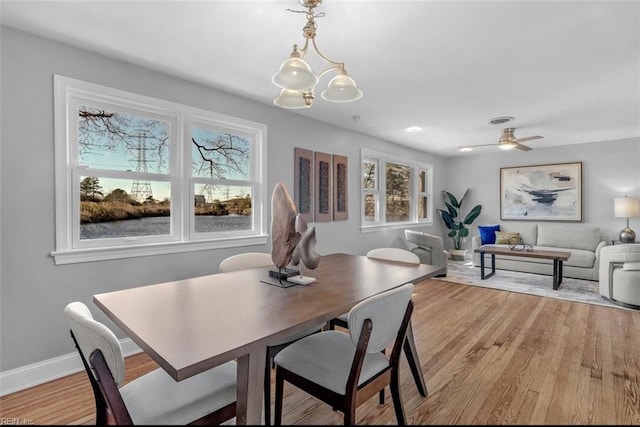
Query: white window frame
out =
(380, 191)
(375, 192)
(69, 94)
(428, 193)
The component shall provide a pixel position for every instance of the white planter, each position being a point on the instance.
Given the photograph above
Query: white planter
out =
(458, 254)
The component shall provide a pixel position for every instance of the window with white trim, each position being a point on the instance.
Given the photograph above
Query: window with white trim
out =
(395, 191)
(137, 176)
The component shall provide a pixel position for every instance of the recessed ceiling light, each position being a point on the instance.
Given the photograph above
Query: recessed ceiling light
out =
(413, 129)
(466, 149)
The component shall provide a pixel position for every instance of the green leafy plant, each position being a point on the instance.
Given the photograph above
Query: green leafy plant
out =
(452, 218)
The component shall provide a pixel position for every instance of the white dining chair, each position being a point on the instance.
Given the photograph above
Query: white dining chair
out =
(346, 369)
(253, 260)
(389, 254)
(244, 261)
(153, 398)
(410, 349)
(394, 254)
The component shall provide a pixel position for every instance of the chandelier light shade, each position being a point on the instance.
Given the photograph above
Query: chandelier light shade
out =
(626, 207)
(341, 88)
(295, 74)
(291, 99)
(298, 80)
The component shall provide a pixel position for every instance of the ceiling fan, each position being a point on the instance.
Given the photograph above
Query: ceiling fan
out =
(507, 141)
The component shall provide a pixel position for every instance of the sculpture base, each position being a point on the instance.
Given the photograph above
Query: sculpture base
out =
(301, 280)
(283, 273)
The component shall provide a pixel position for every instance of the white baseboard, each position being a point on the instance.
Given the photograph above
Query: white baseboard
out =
(41, 372)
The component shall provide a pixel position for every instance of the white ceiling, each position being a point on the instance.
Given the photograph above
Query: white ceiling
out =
(566, 70)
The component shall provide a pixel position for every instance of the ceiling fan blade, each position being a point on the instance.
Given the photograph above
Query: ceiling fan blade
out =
(481, 145)
(528, 138)
(522, 147)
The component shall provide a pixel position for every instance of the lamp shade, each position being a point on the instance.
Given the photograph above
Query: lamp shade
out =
(291, 99)
(341, 88)
(626, 207)
(295, 74)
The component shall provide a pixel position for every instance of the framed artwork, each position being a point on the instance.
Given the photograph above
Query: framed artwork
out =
(323, 200)
(340, 193)
(550, 192)
(303, 182)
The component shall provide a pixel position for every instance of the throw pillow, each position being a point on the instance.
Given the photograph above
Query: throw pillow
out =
(488, 233)
(502, 237)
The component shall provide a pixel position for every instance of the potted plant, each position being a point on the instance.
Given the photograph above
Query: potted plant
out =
(452, 218)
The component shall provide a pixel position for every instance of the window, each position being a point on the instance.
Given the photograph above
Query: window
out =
(395, 192)
(140, 176)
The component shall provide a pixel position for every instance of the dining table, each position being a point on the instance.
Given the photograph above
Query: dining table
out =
(191, 325)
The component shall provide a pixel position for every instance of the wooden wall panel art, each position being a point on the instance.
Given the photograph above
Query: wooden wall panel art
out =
(323, 200)
(303, 183)
(340, 186)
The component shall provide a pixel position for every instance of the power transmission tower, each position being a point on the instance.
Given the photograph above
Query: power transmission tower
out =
(141, 190)
(207, 192)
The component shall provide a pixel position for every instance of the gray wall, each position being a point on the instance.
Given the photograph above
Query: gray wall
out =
(609, 169)
(34, 291)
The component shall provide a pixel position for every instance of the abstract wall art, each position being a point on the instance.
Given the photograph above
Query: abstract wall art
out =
(550, 192)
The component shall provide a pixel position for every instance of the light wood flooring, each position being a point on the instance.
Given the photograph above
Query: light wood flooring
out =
(489, 357)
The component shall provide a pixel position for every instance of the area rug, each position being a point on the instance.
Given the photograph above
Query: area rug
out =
(586, 291)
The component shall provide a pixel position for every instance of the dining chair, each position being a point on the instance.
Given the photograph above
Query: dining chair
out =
(346, 369)
(410, 349)
(253, 260)
(154, 398)
(244, 261)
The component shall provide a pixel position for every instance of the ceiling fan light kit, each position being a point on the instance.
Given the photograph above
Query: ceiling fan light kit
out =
(507, 139)
(296, 77)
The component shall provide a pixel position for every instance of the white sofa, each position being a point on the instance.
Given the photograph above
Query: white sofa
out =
(582, 240)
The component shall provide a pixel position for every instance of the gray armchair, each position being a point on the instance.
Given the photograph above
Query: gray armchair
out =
(620, 274)
(429, 248)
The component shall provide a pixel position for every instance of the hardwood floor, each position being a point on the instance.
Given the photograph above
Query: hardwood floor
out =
(489, 357)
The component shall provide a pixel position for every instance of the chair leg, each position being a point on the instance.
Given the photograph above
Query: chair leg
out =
(349, 415)
(267, 390)
(397, 398)
(411, 352)
(101, 412)
(278, 404)
(381, 394)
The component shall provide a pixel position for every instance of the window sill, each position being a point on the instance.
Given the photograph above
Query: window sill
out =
(398, 226)
(102, 254)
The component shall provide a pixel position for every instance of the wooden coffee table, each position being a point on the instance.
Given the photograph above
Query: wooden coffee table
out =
(557, 256)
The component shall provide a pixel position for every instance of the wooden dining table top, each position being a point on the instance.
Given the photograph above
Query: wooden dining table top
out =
(189, 326)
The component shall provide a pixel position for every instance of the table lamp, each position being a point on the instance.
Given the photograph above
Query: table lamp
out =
(626, 207)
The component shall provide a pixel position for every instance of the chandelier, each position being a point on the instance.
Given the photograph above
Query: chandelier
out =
(297, 80)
